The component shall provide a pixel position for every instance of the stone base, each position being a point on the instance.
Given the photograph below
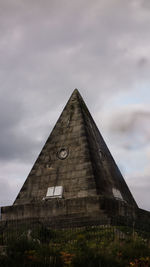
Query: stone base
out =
(77, 212)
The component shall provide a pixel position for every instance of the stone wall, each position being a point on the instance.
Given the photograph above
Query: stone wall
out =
(76, 212)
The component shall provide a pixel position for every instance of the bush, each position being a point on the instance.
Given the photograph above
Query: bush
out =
(90, 247)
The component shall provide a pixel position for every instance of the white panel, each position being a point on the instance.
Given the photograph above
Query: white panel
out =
(50, 192)
(58, 191)
(54, 192)
(117, 194)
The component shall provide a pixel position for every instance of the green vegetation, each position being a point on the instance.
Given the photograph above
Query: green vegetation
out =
(99, 246)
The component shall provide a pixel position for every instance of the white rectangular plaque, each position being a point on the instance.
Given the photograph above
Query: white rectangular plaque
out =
(58, 191)
(50, 192)
(117, 194)
(54, 192)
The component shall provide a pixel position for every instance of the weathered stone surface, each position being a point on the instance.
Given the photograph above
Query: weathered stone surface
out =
(84, 211)
(93, 187)
(89, 168)
(58, 207)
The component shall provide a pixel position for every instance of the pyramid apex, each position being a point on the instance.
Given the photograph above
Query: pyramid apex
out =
(75, 94)
(75, 91)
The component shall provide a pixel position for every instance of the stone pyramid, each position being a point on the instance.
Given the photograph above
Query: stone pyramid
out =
(75, 180)
(74, 162)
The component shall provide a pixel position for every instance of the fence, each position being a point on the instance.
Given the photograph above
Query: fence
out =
(34, 243)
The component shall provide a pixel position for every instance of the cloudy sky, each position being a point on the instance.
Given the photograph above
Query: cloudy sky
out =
(50, 47)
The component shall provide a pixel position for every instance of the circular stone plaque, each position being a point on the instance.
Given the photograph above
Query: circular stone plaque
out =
(62, 153)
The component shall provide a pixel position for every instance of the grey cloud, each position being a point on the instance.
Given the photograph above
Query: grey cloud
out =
(6, 190)
(64, 29)
(142, 62)
(48, 48)
(14, 147)
(141, 194)
(127, 120)
(13, 143)
(12, 176)
(145, 4)
(140, 188)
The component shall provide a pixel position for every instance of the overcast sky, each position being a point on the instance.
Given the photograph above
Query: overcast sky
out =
(50, 47)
